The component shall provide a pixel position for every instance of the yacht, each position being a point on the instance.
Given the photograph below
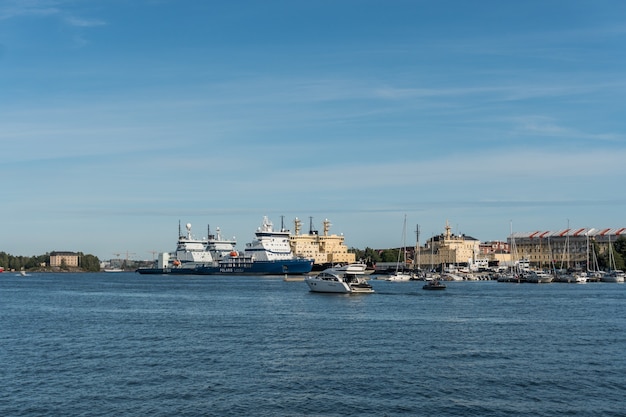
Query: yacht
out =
(348, 279)
(538, 277)
(399, 276)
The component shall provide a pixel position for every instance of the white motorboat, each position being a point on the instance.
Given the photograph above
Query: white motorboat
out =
(399, 276)
(348, 279)
(575, 277)
(538, 277)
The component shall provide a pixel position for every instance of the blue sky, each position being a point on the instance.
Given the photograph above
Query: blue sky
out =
(118, 119)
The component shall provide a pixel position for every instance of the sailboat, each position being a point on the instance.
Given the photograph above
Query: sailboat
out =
(594, 273)
(514, 274)
(614, 274)
(565, 272)
(399, 274)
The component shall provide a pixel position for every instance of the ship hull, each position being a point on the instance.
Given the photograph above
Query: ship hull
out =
(167, 271)
(279, 267)
(242, 267)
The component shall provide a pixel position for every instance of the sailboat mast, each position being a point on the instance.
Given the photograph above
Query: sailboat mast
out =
(403, 248)
(417, 246)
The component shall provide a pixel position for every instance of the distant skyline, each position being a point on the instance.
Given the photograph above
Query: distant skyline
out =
(120, 119)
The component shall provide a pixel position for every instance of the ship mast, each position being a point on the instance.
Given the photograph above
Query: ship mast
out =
(326, 227)
(297, 223)
(417, 245)
(312, 230)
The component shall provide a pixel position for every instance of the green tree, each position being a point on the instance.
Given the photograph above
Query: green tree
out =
(4, 260)
(389, 255)
(620, 252)
(89, 263)
(368, 255)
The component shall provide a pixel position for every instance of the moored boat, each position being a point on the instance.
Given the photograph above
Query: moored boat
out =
(614, 275)
(191, 253)
(538, 277)
(268, 254)
(349, 279)
(399, 274)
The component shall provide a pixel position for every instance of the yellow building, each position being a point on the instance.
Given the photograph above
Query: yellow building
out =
(324, 250)
(63, 259)
(448, 249)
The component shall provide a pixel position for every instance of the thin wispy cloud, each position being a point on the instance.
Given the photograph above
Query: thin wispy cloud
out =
(546, 126)
(83, 22)
(64, 11)
(19, 8)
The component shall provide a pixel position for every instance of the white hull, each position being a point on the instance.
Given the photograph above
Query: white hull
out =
(349, 279)
(539, 277)
(319, 285)
(571, 278)
(613, 276)
(399, 276)
(451, 277)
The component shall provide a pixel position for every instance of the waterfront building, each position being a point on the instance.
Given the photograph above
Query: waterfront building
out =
(69, 259)
(449, 249)
(494, 247)
(497, 252)
(325, 249)
(568, 248)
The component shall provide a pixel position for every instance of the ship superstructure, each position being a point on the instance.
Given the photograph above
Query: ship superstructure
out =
(325, 250)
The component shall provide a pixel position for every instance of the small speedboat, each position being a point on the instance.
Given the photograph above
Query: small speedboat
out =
(434, 285)
(348, 279)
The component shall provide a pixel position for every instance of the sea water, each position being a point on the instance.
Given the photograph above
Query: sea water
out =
(128, 344)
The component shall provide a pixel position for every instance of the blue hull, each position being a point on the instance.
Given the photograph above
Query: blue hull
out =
(167, 271)
(290, 266)
(240, 266)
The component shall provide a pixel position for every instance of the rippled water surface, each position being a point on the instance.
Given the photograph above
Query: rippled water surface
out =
(126, 344)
